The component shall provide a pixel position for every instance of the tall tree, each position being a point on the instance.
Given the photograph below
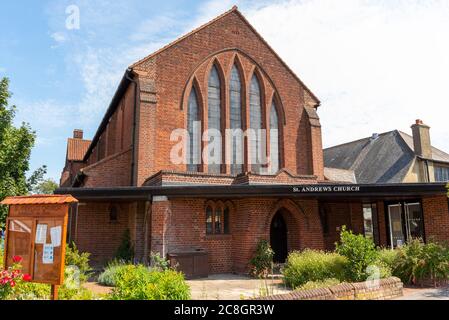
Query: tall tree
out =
(47, 186)
(15, 150)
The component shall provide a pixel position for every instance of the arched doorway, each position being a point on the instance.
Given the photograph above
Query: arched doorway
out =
(278, 238)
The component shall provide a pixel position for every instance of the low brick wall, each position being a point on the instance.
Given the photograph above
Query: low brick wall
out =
(387, 289)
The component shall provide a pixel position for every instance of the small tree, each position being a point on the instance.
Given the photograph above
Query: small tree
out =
(125, 251)
(15, 150)
(360, 251)
(47, 186)
(263, 259)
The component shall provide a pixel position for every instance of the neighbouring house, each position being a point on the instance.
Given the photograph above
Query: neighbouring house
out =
(390, 157)
(210, 212)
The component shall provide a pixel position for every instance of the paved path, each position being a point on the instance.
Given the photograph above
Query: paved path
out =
(233, 287)
(425, 294)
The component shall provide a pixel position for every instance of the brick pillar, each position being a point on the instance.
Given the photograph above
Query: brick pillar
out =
(160, 212)
(316, 144)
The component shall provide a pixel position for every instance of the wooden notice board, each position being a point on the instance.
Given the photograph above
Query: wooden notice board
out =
(36, 230)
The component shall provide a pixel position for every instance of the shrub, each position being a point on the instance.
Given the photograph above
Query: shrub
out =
(12, 279)
(158, 262)
(417, 261)
(359, 251)
(388, 257)
(137, 282)
(319, 284)
(125, 251)
(263, 259)
(108, 276)
(311, 265)
(81, 260)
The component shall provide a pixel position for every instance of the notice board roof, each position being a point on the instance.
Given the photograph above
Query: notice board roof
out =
(39, 199)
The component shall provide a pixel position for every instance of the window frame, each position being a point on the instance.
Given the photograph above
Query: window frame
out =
(217, 209)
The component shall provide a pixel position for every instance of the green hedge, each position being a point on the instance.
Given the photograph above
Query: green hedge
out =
(311, 265)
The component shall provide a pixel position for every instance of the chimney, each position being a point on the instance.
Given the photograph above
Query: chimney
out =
(421, 139)
(78, 134)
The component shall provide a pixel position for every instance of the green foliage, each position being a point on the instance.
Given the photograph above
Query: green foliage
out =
(326, 283)
(15, 150)
(417, 261)
(33, 291)
(47, 186)
(388, 257)
(312, 265)
(125, 251)
(137, 282)
(158, 262)
(263, 259)
(359, 251)
(81, 260)
(108, 276)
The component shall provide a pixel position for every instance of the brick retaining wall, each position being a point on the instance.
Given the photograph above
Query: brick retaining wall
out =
(388, 289)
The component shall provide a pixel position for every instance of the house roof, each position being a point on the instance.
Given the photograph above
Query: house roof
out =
(340, 175)
(39, 199)
(437, 154)
(76, 149)
(385, 159)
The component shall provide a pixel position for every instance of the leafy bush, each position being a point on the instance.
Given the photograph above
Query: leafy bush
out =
(263, 259)
(417, 261)
(158, 262)
(108, 276)
(359, 251)
(388, 257)
(319, 284)
(81, 260)
(125, 251)
(137, 282)
(311, 265)
(12, 279)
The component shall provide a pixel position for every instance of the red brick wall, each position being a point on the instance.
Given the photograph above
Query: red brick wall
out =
(111, 171)
(181, 222)
(95, 233)
(436, 218)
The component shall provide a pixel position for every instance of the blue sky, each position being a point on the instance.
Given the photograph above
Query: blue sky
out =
(376, 65)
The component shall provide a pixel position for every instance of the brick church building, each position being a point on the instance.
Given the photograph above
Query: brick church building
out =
(224, 75)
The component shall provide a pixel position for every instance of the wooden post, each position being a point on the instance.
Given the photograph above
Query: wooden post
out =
(54, 292)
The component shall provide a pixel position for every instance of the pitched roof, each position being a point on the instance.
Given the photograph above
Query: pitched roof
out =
(385, 159)
(76, 149)
(234, 9)
(437, 154)
(39, 199)
(340, 175)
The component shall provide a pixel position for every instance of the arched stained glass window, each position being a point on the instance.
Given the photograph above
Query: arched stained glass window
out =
(236, 122)
(255, 123)
(274, 140)
(194, 129)
(214, 121)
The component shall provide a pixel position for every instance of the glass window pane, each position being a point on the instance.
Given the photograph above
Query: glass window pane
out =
(274, 140)
(194, 129)
(414, 221)
(209, 229)
(226, 220)
(368, 221)
(236, 122)
(217, 221)
(255, 123)
(214, 121)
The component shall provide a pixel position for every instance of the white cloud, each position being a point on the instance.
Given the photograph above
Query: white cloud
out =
(375, 65)
(58, 37)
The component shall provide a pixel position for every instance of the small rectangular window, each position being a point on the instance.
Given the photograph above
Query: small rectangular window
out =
(209, 228)
(218, 221)
(370, 222)
(226, 221)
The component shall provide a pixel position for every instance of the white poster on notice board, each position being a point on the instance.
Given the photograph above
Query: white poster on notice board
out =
(55, 234)
(41, 234)
(47, 255)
